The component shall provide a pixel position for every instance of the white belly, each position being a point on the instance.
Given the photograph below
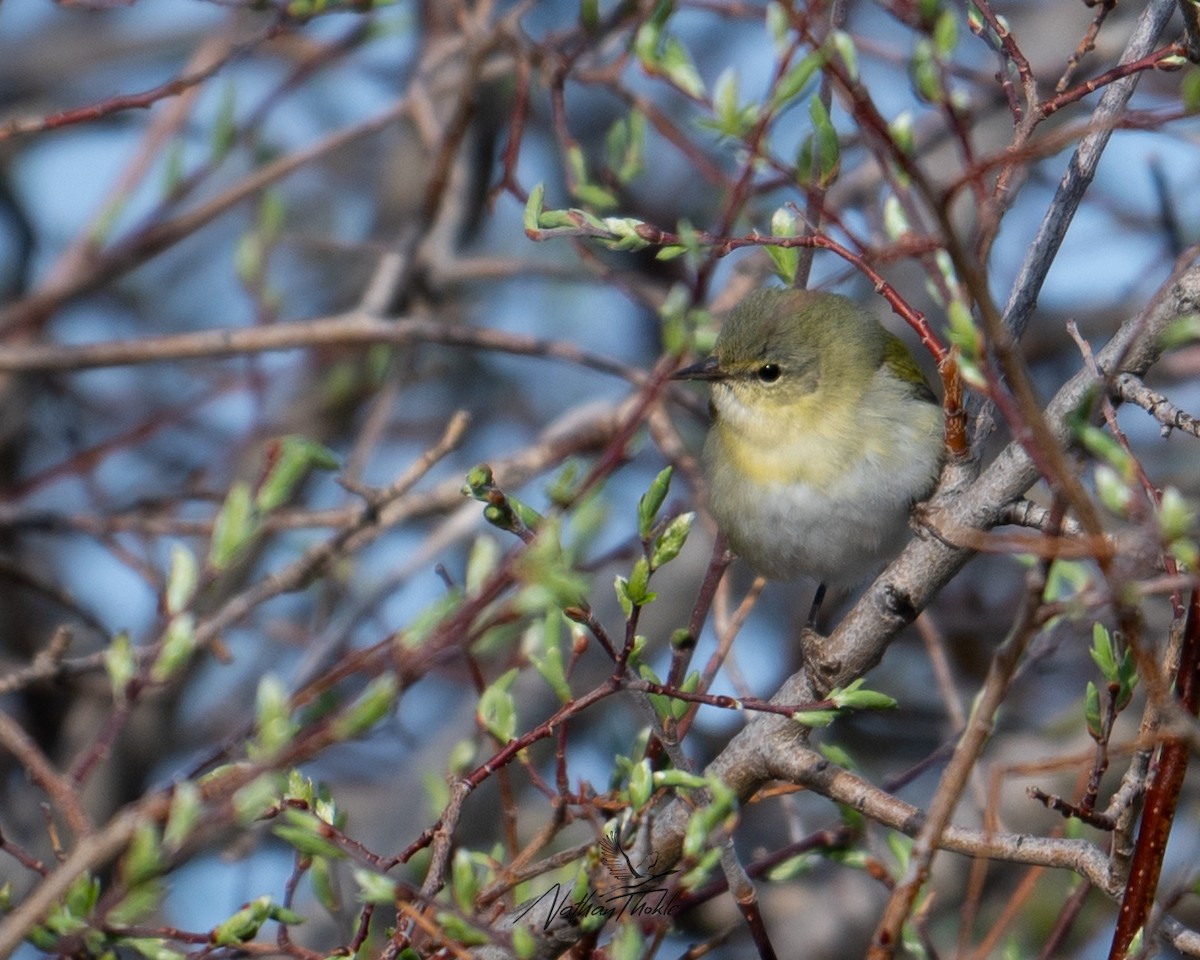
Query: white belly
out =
(838, 536)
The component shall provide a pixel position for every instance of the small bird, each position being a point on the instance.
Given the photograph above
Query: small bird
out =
(824, 435)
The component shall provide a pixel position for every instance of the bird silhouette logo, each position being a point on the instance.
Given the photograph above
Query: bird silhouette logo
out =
(618, 864)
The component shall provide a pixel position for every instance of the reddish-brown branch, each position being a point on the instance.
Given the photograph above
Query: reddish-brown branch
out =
(1017, 58)
(1162, 796)
(1086, 44)
(1148, 62)
(136, 101)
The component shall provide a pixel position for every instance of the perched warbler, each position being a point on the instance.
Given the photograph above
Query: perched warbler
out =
(824, 435)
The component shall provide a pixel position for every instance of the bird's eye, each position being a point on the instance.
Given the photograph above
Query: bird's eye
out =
(769, 372)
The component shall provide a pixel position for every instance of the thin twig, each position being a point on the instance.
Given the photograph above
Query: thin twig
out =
(1131, 389)
(954, 778)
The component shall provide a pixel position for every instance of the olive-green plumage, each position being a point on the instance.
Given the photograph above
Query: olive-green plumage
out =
(824, 435)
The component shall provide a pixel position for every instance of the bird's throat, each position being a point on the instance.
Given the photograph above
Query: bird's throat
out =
(781, 446)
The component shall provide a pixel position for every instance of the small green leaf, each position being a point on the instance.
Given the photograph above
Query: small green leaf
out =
(308, 834)
(508, 513)
(670, 542)
(651, 502)
(1114, 491)
(1103, 445)
(256, 798)
(660, 702)
(828, 152)
(679, 706)
(1176, 518)
(792, 867)
(224, 128)
(533, 208)
(696, 836)
(83, 895)
(172, 176)
(641, 785)
(676, 64)
(273, 716)
(249, 259)
(621, 586)
(272, 214)
(720, 815)
(560, 220)
(430, 618)
(182, 579)
(926, 74)
(461, 757)
(320, 876)
(243, 925)
(549, 578)
(177, 647)
(152, 948)
(598, 198)
(459, 932)
(1127, 679)
(627, 943)
(482, 562)
(901, 846)
(777, 22)
(1104, 653)
(586, 218)
(1091, 712)
(464, 881)
(1171, 63)
(589, 15)
(235, 526)
(945, 34)
(371, 706)
(638, 586)
(375, 888)
(524, 944)
(815, 718)
(854, 697)
(785, 259)
(725, 99)
(120, 664)
(143, 859)
(624, 231)
(895, 221)
(645, 43)
(629, 162)
(137, 904)
(1186, 329)
(794, 84)
(548, 658)
(293, 457)
(1189, 91)
(699, 875)
(901, 131)
(836, 754)
(680, 780)
(497, 710)
(186, 806)
(843, 43)
(963, 332)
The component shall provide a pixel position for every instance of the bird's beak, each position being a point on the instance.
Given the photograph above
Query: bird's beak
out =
(709, 369)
